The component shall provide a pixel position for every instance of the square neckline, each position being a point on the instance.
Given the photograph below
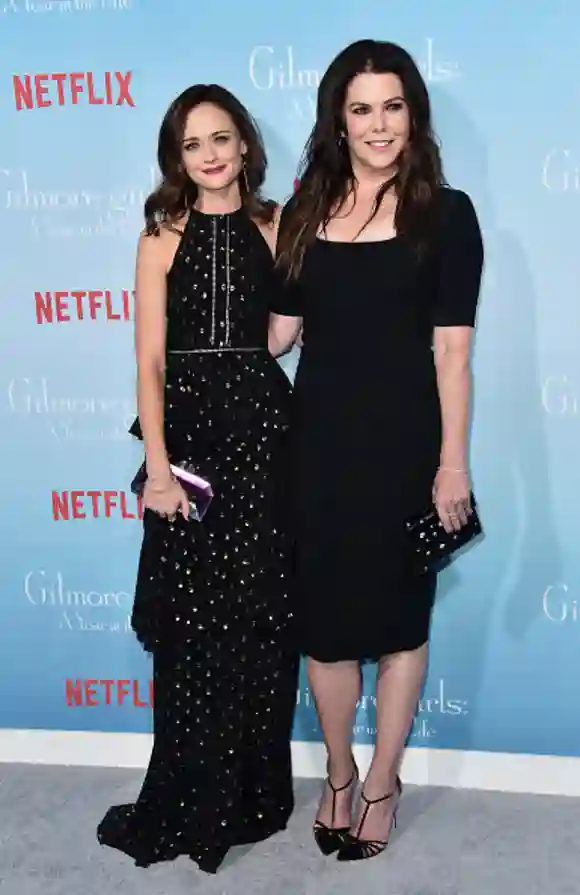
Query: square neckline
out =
(358, 242)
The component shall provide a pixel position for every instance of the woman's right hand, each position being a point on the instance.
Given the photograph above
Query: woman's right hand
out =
(166, 498)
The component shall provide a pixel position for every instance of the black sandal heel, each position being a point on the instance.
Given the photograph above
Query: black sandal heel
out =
(330, 838)
(353, 847)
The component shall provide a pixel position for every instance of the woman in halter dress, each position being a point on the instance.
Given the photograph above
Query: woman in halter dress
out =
(211, 601)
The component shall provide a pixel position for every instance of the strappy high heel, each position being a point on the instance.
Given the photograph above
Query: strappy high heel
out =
(353, 847)
(330, 838)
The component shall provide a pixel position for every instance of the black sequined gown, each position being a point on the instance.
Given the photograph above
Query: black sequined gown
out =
(211, 600)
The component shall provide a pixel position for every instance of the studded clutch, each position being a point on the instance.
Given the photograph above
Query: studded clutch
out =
(199, 491)
(431, 546)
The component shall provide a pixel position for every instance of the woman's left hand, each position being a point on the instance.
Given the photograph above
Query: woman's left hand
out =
(451, 496)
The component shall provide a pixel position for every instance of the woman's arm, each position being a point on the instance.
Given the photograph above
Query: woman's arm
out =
(285, 327)
(460, 265)
(283, 332)
(150, 305)
(452, 346)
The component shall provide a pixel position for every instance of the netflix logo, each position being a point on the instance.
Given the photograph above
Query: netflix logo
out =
(92, 692)
(111, 88)
(84, 305)
(71, 505)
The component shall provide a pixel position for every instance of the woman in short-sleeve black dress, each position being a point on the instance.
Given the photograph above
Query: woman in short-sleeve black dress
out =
(380, 403)
(367, 429)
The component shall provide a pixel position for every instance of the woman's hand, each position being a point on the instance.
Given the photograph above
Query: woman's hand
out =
(166, 498)
(451, 496)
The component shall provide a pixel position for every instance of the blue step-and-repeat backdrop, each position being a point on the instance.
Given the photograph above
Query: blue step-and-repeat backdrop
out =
(83, 87)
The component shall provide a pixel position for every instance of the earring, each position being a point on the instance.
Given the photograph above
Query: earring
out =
(245, 174)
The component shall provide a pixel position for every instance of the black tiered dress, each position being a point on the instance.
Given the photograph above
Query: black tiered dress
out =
(211, 600)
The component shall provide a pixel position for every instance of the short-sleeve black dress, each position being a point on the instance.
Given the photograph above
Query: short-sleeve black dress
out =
(366, 431)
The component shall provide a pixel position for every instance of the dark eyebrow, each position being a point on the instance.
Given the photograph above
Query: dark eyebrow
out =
(392, 99)
(215, 134)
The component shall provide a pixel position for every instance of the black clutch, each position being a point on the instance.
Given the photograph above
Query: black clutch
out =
(429, 543)
(199, 491)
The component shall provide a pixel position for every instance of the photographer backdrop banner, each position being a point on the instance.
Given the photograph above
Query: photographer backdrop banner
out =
(83, 87)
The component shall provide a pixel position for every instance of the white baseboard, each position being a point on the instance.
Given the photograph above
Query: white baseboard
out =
(539, 774)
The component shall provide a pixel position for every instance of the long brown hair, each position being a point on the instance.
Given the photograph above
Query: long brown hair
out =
(326, 176)
(177, 193)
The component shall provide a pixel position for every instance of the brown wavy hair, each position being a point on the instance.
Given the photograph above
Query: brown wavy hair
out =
(326, 176)
(177, 193)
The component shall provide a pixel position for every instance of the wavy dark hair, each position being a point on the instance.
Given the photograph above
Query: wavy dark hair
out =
(177, 193)
(326, 176)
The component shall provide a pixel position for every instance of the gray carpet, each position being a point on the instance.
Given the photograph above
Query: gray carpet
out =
(447, 843)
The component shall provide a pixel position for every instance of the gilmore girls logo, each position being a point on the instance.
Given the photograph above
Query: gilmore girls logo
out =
(42, 588)
(275, 68)
(560, 396)
(70, 417)
(88, 611)
(560, 604)
(66, 7)
(436, 708)
(561, 171)
(68, 210)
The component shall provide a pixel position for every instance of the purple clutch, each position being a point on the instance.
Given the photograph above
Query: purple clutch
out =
(198, 490)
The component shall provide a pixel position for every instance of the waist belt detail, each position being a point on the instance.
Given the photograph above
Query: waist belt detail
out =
(210, 350)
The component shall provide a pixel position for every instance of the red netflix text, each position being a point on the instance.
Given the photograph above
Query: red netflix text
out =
(110, 88)
(92, 692)
(84, 305)
(69, 505)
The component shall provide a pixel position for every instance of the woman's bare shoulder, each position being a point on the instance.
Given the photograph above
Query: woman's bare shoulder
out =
(269, 229)
(161, 246)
